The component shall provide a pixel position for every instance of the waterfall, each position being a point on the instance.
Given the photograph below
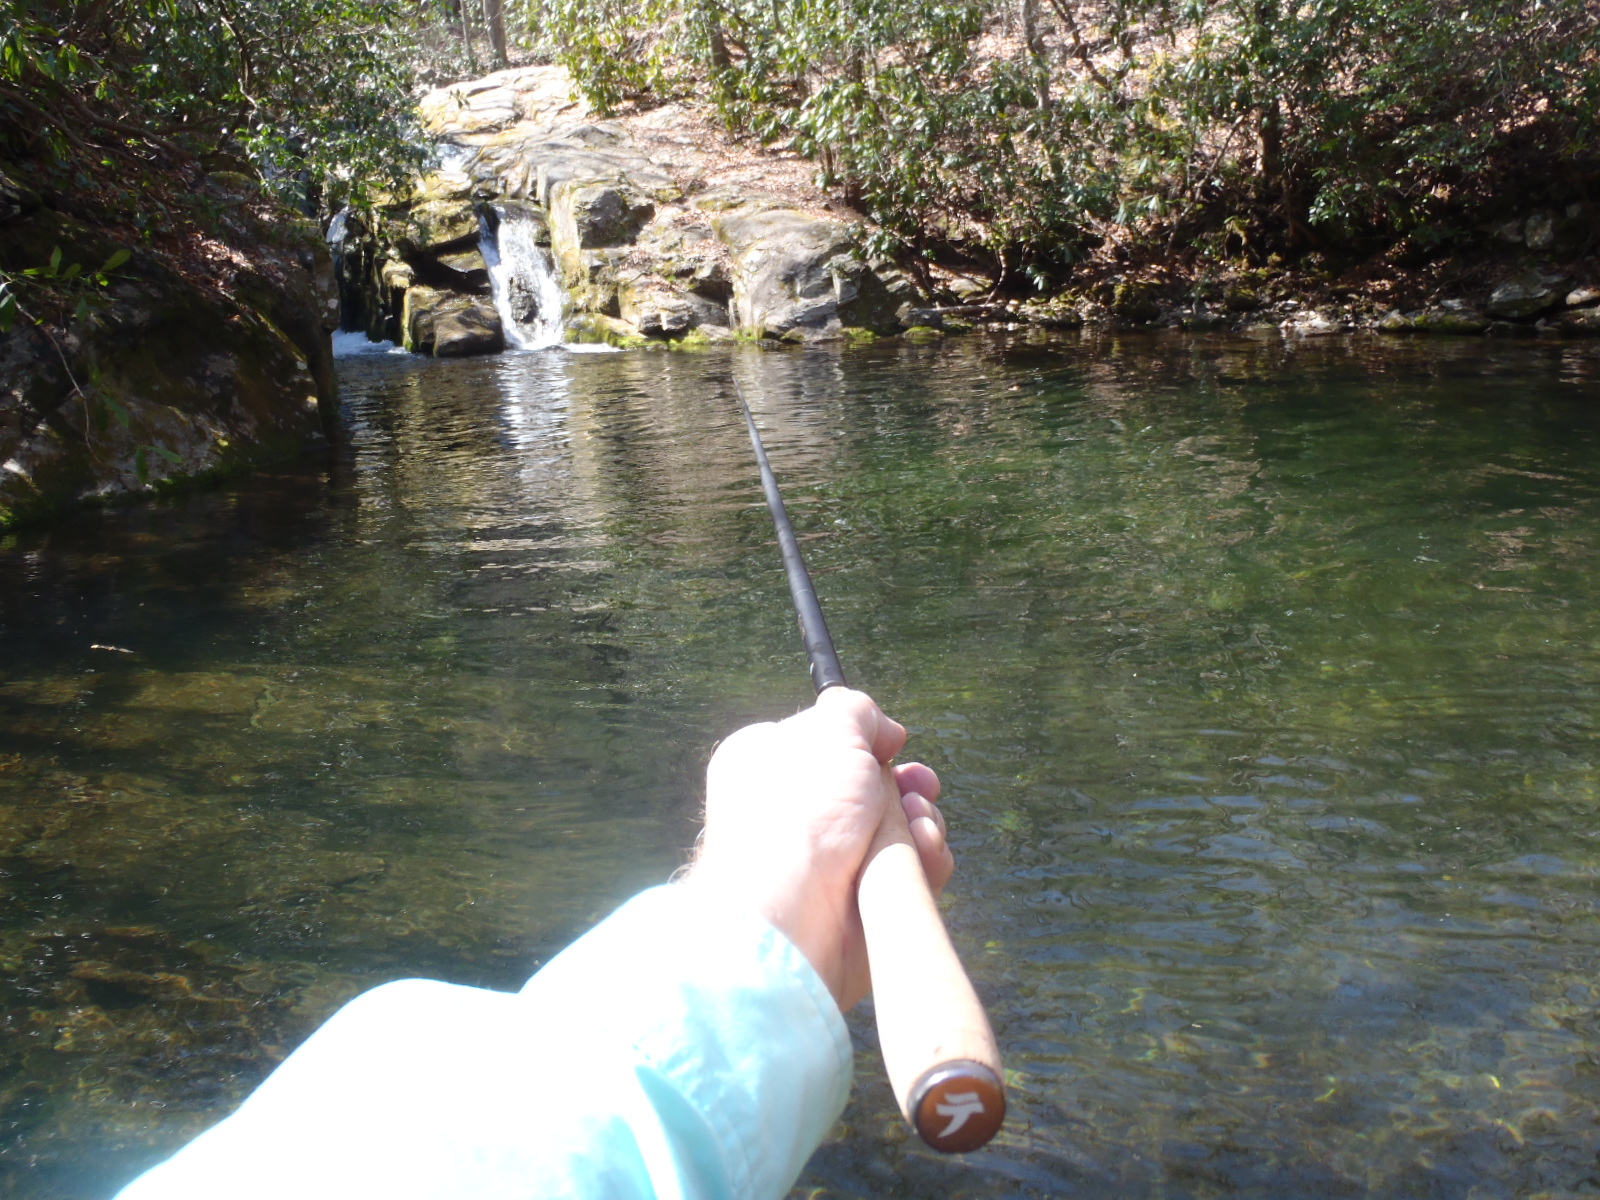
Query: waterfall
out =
(527, 294)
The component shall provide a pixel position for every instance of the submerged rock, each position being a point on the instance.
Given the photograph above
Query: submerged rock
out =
(1579, 322)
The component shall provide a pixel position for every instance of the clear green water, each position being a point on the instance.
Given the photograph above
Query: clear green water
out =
(1262, 679)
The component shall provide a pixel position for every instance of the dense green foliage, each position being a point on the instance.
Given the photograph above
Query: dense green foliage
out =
(1028, 129)
(1033, 129)
(314, 93)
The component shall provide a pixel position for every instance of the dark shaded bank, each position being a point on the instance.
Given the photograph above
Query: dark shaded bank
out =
(127, 368)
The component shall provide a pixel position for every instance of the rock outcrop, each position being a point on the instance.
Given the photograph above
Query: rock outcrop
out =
(157, 377)
(647, 243)
(659, 231)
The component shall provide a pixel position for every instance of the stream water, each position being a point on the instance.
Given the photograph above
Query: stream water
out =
(1262, 678)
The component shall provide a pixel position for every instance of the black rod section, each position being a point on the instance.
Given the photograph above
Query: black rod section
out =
(825, 669)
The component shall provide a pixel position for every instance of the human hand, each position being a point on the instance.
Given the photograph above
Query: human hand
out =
(792, 808)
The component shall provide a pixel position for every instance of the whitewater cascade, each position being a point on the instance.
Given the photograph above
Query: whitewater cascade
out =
(527, 295)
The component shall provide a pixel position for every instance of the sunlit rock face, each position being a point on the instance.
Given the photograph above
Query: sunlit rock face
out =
(644, 236)
(158, 378)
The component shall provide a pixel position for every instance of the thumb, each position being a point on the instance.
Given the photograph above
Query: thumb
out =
(881, 734)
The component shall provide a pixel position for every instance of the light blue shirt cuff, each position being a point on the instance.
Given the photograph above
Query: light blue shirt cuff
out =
(734, 1033)
(679, 1049)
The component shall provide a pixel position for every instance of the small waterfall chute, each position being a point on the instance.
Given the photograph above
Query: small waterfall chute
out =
(530, 300)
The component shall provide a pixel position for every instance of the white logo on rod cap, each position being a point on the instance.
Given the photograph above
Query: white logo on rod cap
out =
(958, 1106)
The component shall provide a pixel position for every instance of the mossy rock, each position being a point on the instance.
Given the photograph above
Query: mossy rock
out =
(1136, 302)
(1241, 298)
(234, 185)
(437, 226)
(695, 339)
(922, 333)
(1061, 312)
(1451, 321)
(599, 329)
(1458, 322)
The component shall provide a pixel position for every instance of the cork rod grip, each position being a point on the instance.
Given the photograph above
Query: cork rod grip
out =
(940, 1053)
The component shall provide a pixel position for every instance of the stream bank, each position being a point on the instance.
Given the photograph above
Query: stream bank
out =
(662, 227)
(135, 365)
(204, 351)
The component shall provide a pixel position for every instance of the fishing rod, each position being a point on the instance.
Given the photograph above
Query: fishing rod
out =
(939, 1051)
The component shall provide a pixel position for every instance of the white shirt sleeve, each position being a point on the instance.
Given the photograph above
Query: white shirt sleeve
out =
(676, 1050)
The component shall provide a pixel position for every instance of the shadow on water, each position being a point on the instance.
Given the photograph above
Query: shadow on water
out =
(1261, 675)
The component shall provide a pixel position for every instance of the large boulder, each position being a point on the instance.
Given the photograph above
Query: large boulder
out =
(794, 275)
(589, 214)
(468, 329)
(676, 278)
(161, 379)
(449, 325)
(465, 269)
(1136, 303)
(685, 251)
(1527, 295)
(539, 94)
(593, 224)
(656, 308)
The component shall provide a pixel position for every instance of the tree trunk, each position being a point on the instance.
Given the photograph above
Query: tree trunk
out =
(1039, 66)
(494, 19)
(466, 35)
(721, 60)
(1271, 131)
